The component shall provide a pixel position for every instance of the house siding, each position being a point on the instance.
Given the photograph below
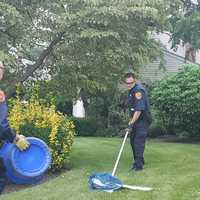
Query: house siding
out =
(153, 72)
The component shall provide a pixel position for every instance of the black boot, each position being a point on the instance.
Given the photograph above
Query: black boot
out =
(138, 164)
(143, 162)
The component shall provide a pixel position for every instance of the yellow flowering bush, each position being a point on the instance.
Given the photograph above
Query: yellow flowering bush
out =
(38, 120)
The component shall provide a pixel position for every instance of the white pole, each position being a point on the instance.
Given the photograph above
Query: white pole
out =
(133, 187)
(120, 152)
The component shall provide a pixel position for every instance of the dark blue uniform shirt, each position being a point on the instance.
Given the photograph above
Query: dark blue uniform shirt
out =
(5, 131)
(138, 101)
(3, 115)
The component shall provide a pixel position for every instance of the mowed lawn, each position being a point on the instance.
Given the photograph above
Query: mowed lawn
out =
(172, 170)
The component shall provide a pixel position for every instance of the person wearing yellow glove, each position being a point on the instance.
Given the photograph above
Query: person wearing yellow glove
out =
(6, 133)
(21, 142)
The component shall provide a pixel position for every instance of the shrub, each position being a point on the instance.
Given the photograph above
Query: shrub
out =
(156, 130)
(36, 119)
(118, 113)
(85, 126)
(176, 100)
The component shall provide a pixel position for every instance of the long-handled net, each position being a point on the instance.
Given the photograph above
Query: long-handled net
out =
(108, 182)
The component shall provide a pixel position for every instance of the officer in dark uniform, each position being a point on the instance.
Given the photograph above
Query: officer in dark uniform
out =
(6, 133)
(140, 119)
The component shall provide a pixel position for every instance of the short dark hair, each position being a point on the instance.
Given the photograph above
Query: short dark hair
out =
(129, 75)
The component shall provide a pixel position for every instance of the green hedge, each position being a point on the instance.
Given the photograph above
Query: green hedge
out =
(85, 126)
(156, 130)
(176, 101)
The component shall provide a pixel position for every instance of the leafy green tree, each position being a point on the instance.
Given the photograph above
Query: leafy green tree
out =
(80, 43)
(186, 27)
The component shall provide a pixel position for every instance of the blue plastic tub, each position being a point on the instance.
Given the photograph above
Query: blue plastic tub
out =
(26, 167)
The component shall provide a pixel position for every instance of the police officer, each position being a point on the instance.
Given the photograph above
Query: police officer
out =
(6, 133)
(140, 119)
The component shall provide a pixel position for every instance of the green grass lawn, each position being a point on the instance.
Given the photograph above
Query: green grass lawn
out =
(173, 170)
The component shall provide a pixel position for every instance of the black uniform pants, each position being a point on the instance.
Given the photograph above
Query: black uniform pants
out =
(137, 140)
(2, 175)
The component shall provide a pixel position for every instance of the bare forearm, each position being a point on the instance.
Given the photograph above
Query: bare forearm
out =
(135, 117)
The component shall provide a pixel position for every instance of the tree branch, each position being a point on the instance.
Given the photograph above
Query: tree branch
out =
(32, 68)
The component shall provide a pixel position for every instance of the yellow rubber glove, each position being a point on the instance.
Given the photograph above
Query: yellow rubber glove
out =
(21, 142)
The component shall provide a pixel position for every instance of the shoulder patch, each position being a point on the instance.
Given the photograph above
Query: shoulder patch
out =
(138, 95)
(2, 96)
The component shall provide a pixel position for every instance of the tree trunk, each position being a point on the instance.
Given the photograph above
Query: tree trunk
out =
(190, 53)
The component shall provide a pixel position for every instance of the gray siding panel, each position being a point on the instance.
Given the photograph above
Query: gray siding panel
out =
(152, 71)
